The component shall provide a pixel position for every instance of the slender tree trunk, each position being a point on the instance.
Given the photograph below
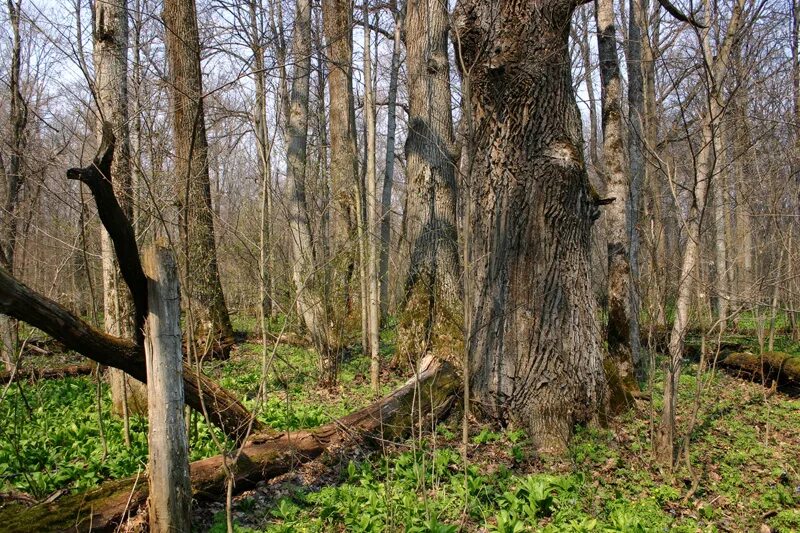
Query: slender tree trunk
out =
(371, 179)
(657, 200)
(432, 315)
(636, 151)
(111, 88)
(622, 334)
(264, 156)
(536, 356)
(720, 191)
(310, 305)
(196, 221)
(388, 175)
(705, 170)
(13, 181)
(586, 58)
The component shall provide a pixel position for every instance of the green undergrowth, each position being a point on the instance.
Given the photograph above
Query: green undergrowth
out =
(739, 472)
(51, 436)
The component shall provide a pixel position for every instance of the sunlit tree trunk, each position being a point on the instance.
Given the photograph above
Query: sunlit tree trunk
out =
(371, 179)
(111, 89)
(203, 287)
(622, 330)
(431, 319)
(705, 171)
(536, 356)
(338, 28)
(309, 302)
(265, 159)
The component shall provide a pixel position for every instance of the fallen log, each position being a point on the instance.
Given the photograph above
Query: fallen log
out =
(771, 367)
(431, 392)
(33, 374)
(22, 303)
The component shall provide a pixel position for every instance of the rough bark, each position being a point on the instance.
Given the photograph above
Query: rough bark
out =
(636, 159)
(203, 288)
(622, 333)
(168, 450)
(427, 396)
(431, 319)
(338, 28)
(536, 355)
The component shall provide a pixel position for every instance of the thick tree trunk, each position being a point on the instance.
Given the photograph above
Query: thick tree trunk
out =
(536, 355)
(431, 319)
(203, 287)
(623, 324)
(338, 28)
(263, 457)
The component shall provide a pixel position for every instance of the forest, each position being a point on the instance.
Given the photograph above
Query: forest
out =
(412, 265)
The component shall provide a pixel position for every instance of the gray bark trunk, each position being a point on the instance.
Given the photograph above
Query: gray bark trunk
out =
(622, 331)
(704, 174)
(261, 128)
(371, 179)
(168, 467)
(111, 88)
(536, 357)
(310, 305)
(338, 28)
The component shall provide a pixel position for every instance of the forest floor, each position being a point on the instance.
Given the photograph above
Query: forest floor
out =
(739, 469)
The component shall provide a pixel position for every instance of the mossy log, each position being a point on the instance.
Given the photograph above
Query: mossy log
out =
(771, 367)
(432, 392)
(33, 374)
